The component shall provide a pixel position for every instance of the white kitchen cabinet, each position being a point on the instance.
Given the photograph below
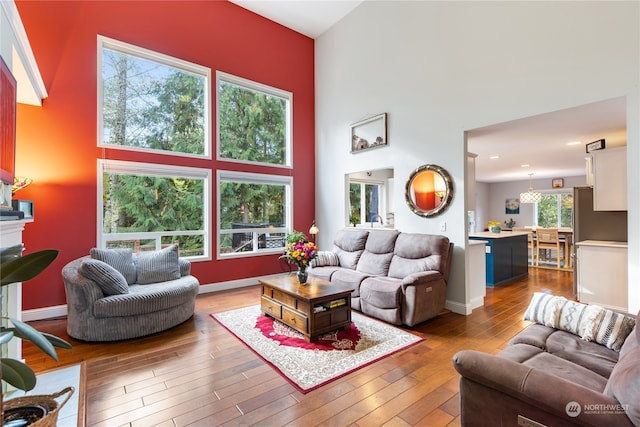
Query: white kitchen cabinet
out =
(602, 273)
(609, 168)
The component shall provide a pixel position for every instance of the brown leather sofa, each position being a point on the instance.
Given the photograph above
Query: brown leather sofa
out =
(400, 278)
(551, 377)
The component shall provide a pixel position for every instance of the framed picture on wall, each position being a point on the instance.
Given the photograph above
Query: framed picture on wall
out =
(557, 183)
(369, 133)
(512, 206)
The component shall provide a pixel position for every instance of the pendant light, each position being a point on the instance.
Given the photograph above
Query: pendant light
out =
(530, 196)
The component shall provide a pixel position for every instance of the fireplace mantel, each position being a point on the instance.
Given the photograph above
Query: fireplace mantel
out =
(10, 235)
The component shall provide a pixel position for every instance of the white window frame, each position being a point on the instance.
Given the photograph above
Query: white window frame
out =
(186, 66)
(152, 169)
(254, 178)
(382, 202)
(268, 90)
(557, 192)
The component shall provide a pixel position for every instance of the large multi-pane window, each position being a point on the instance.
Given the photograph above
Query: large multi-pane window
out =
(254, 213)
(365, 199)
(555, 210)
(147, 206)
(254, 127)
(254, 122)
(152, 102)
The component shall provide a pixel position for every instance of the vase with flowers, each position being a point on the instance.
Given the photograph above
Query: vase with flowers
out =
(300, 251)
(494, 226)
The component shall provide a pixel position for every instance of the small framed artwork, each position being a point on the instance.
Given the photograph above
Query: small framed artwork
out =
(369, 133)
(512, 206)
(595, 145)
(557, 183)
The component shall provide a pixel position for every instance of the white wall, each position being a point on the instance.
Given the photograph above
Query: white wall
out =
(440, 68)
(500, 191)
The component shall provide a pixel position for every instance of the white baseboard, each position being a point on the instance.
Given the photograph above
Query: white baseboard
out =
(61, 310)
(476, 302)
(44, 313)
(456, 307)
(235, 284)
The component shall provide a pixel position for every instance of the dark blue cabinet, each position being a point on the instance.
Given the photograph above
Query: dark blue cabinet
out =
(506, 256)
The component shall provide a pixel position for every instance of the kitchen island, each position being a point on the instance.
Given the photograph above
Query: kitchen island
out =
(506, 255)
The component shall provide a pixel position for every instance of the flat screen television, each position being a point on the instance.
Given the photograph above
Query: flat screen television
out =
(7, 133)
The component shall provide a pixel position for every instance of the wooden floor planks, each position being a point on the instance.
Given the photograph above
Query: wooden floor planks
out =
(198, 374)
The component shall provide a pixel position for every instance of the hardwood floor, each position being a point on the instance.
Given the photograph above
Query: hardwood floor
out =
(198, 374)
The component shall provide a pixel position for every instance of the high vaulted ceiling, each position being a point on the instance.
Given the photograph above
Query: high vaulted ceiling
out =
(308, 17)
(539, 141)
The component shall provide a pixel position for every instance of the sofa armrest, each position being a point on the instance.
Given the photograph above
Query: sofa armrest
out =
(81, 291)
(536, 388)
(421, 277)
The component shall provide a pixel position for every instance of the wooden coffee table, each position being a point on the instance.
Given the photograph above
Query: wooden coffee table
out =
(312, 309)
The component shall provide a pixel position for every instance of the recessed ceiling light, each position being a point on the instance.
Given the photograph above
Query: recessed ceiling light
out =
(524, 166)
(494, 157)
(574, 143)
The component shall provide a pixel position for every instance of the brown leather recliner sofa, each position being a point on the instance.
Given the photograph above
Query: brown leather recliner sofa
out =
(551, 377)
(400, 278)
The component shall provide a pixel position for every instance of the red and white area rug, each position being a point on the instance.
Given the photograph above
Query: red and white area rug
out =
(310, 365)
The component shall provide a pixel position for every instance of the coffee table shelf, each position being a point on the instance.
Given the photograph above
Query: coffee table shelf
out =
(283, 298)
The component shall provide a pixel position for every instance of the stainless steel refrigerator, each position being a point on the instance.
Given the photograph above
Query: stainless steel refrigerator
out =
(594, 225)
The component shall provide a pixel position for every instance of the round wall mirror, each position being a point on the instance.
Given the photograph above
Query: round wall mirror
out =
(429, 190)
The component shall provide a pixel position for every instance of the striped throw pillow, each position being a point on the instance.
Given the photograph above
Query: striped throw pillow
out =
(544, 309)
(325, 258)
(120, 259)
(613, 329)
(589, 322)
(106, 277)
(157, 266)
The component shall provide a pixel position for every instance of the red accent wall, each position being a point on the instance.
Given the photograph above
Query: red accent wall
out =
(56, 143)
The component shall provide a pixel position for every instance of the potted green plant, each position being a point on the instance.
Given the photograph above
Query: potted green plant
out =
(17, 268)
(510, 224)
(354, 220)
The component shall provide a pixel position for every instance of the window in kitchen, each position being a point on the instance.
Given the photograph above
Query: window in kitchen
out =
(555, 210)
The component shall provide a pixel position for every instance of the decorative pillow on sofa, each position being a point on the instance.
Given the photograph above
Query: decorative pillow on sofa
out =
(108, 278)
(590, 322)
(613, 329)
(120, 259)
(325, 258)
(157, 266)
